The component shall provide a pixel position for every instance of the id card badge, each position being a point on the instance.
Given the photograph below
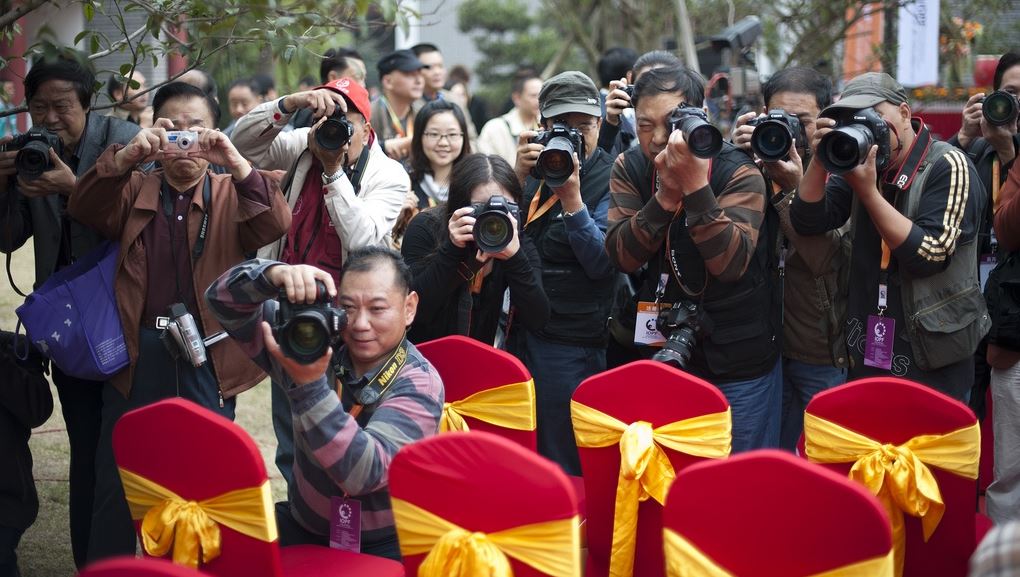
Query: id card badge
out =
(345, 524)
(645, 331)
(878, 347)
(988, 262)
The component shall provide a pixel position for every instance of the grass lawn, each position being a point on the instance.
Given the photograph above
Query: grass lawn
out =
(45, 549)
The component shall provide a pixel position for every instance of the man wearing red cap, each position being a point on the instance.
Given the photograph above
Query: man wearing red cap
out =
(343, 196)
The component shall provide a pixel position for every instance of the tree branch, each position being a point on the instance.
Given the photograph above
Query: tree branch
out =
(26, 7)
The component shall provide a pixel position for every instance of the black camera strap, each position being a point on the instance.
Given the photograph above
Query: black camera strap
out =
(166, 196)
(377, 385)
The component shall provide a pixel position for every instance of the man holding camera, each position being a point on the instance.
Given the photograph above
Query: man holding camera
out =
(708, 240)
(814, 270)
(59, 93)
(566, 190)
(387, 394)
(181, 223)
(914, 308)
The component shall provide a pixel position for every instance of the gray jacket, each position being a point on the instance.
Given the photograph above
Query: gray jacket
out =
(22, 218)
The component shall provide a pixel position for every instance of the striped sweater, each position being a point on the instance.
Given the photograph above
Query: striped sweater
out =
(334, 453)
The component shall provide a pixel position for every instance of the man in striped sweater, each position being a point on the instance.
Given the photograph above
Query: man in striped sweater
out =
(387, 395)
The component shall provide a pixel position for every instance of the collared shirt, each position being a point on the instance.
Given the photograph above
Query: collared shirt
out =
(998, 555)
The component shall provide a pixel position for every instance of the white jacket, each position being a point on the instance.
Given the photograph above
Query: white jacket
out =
(362, 219)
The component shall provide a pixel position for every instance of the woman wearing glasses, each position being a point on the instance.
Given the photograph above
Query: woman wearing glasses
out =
(437, 145)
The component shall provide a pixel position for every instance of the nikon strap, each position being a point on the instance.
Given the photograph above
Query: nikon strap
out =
(374, 389)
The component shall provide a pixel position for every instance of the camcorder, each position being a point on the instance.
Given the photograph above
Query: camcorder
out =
(681, 324)
(704, 140)
(335, 132)
(556, 162)
(33, 148)
(847, 146)
(775, 133)
(306, 331)
(493, 230)
(1000, 108)
(182, 140)
(182, 338)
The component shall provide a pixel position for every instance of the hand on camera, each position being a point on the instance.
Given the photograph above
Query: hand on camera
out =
(58, 180)
(680, 172)
(7, 166)
(570, 193)
(527, 154)
(863, 179)
(321, 101)
(617, 101)
(786, 173)
(215, 147)
(299, 281)
(507, 252)
(300, 373)
(742, 131)
(462, 221)
(972, 120)
(331, 160)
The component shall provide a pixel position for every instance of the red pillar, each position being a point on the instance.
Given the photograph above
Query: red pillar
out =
(15, 71)
(177, 62)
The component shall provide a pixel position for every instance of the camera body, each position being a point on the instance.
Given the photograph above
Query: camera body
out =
(1000, 108)
(681, 325)
(556, 162)
(847, 146)
(183, 140)
(181, 337)
(493, 230)
(775, 133)
(306, 331)
(335, 132)
(33, 148)
(703, 139)
(629, 89)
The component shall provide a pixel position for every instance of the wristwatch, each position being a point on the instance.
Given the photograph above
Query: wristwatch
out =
(570, 214)
(328, 179)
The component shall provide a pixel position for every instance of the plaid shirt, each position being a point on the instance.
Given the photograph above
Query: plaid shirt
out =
(999, 553)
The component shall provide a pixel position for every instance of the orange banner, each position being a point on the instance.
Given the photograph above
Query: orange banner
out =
(862, 39)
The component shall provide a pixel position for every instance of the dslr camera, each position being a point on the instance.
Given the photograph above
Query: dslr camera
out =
(183, 140)
(335, 132)
(556, 162)
(1000, 108)
(33, 148)
(775, 133)
(305, 331)
(629, 89)
(704, 140)
(847, 146)
(681, 324)
(493, 230)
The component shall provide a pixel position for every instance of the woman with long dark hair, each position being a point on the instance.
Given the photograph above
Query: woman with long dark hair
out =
(461, 287)
(439, 142)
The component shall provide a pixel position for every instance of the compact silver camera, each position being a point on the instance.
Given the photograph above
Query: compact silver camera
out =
(182, 139)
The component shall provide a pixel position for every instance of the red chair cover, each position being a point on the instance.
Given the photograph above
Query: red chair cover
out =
(891, 410)
(468, 366)
(639, 391)
(480, 482)
(767, 513)
(199, 454)
(134, 567)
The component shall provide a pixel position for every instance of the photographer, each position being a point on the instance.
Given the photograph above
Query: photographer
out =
(814, 268)
(462, 286)
(402, 87)
(566, 188)
(709, 243)
(914, 308)
(59, 93)
(181, 223)
(618, 132)
(345, 437)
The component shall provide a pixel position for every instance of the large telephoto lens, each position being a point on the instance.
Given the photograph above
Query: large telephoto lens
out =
(1000, 108)
(306, 338)
(493, 231)
(33, 160)
(556, 162)
(845, 148)
(704, 140)
(334, 133)
(771, 140)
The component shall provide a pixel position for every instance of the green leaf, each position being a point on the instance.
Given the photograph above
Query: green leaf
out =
(79, 36)
(94, 44)
(125, 69)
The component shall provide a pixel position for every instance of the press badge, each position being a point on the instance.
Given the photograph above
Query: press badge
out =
(878, 347)
(345, 524)
(645, 330)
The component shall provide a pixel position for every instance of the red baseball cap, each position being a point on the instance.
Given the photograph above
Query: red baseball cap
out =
(354, 93)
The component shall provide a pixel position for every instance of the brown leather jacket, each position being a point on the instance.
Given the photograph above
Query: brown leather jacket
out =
(121, 206)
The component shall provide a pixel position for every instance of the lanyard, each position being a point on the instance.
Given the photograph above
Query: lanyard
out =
(883, 279)
(995, 184)
(534, 211)
(166, 195)
(398, 126)
(375, 387)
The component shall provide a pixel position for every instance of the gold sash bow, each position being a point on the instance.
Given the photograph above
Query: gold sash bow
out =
(552, 547)
(645, 470)
(684, 559)
(192, 527)
(509, 406)
(897, 475)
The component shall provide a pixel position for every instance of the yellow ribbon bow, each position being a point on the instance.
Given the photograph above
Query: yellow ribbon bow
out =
(552, 547)
(897, 475)
(684, 559)
(509, 406)
(192, 527)
(645, 470)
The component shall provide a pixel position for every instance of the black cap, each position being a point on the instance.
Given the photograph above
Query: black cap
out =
(403, 60)
(569, 91)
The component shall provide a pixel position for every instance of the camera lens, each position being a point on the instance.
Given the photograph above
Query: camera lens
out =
(32, 160)
(844, 148)
(334, 133)
(771, 140)
(493, 231)
(1000, 108)
(704, 140)
(678, 348)
(306, 338)
(556, 163)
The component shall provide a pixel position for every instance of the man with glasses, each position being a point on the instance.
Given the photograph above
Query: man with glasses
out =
(566, 218)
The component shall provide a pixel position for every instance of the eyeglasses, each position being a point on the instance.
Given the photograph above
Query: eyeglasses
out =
(437, 136)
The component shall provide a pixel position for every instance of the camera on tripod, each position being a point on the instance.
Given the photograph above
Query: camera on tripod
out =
(306, 331)
(704, 140)
(493, 230)
(1000, 108)
(335, 132)
(556, 161)
(847, 146)
(681, 324)
(33, 148)
(775, 133)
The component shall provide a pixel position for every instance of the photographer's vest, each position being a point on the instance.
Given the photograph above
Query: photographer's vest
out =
(741, 321)
(580, 305)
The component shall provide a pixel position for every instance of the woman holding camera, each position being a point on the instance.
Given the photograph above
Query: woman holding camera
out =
(461, 282)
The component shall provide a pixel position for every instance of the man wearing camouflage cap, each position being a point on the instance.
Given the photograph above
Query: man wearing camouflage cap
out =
(566, 219)
(915, 308)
